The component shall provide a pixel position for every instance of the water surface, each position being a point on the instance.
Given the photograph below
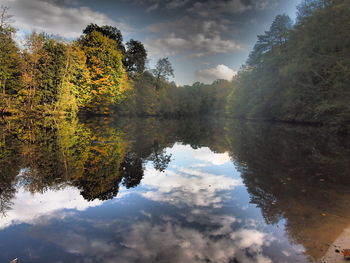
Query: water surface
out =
(148, 190)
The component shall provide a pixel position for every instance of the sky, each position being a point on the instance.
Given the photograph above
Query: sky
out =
(203, 39)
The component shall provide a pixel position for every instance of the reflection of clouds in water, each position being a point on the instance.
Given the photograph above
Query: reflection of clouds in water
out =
(215, 240)
(27, 207)
(195, 233)
(187, 187)
(204, 154)
(172, 243)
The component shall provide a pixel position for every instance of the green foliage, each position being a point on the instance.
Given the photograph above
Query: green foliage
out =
(303, 78)
(50, 76)
(163, 70)
(108, 76)
(153, 97)
(108, 31)
(135, 58)
(10, 64)
(45, 62)
(276, 37)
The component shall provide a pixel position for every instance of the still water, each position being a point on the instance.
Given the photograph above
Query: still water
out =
(148, 190)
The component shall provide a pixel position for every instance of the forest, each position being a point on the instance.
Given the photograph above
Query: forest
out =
(297, 72)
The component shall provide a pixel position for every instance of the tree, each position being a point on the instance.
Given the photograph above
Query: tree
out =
(277, 36)
(163, 70)
(307, 7)
(108, 31)
(5, 20)
(301, 74)
(75, 92)
(10, 61)
(135, 58)
(45, 62)
(109, 81)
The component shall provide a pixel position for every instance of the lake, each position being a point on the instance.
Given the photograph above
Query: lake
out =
(150, 190)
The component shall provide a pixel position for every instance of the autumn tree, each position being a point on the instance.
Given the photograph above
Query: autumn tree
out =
(45, 62)
(10, 62)
(109, 81)
(108, 31)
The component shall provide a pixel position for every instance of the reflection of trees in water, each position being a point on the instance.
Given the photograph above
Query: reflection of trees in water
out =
(9, 168)
(159, 157)
(131, 170)
(297, 173)
(94, 157)
(292, 172)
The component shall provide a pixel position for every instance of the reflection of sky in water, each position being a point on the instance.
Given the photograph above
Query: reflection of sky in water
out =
(196, 211)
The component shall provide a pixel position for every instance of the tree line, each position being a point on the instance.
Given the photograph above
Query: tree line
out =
(299, 72)
(92, 74)
(95, 74)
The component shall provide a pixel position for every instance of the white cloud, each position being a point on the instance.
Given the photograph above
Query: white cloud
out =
(192, 36)
(166, 241)
(204, 28)
(53, 17)
(214, 8)
(208, 75)
(177, 3)
(182, 244)
(152, 8)
(189, 186)
(204, 154)
(217, 8)
(157, 4)
(28, 207)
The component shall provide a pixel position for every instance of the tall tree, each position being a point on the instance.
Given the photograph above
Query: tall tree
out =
(163, 70)
(109, 81)
(135, 58)
(108, 31)
(306, 78)
(307, 7)
(75, 92)
(10, 61)
(277, 36)
(45, 64)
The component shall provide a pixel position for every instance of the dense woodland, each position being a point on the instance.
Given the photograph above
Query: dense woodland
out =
(296, 72)
(300, 72)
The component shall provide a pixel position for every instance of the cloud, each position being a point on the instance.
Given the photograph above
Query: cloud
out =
(210, 238)
(201, 236)
(214, 8)
(211, 6)
(208, 75)
(176, 4)
(28, 207)
(189, 186)
(153, 243)
(201, 28)
(54, 17)
(152, 5)
(192, 36)
(152, 8)
(204, 154)
(217, 8)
